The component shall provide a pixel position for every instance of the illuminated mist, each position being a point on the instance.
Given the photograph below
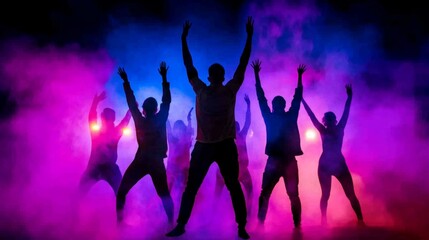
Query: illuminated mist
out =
(46, 142)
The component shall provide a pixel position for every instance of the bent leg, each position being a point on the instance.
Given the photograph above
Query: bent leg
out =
(291, 180)
(325, 181)
(113, 177)
(88, 179)
(228, 166)
(270, 178)
(159, 179)
(131, 176)
(198, 169)
(345, 178)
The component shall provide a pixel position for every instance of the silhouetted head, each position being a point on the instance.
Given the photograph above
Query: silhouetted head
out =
(279, 104)
(108, 115)
(237, 126)
(329, 119)
(216, 73)
(150, 106)
(179, 127)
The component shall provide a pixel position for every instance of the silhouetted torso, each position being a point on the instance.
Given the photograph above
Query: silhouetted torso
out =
(104, 145)
(215, 108)
(332, 140)
(283, 138)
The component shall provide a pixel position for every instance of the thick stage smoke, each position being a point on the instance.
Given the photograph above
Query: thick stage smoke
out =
(46, 141)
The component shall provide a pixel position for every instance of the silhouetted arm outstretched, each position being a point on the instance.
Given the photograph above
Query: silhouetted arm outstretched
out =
(297, 97)
(238, 78)
(313, 118)
(129, 94)
(124, 122)
(92, 116)
(248, 119)
(166, 94)
(263, 103)
(191, 71)
(345, 116)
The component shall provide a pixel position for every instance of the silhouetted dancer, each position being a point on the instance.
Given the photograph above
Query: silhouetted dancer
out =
(179, 145)
(152, 144)
(332, 161)
(243, 159)
(104, 147)
(283, 144)
(215, 107)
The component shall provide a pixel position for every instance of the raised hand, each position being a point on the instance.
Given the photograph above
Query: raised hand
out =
(349, 90)
(186, 26)
(189, 114)
(246, 98)
(301, 69)
(163, 68)
(249, 26)
(123, 74)
(256, 65)
(100, 97)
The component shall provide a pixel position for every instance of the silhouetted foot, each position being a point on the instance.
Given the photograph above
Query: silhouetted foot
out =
(242, 233)
(177, 231)
(119, 216)
(324, 222)
(297, 226)
(361, 223)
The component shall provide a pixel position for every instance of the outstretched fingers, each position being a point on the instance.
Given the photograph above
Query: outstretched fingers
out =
(256, 65)
(301, 68)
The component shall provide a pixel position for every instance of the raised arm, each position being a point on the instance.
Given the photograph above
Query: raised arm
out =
(92, 116)
(345, 116)
(124, 122)
(129, 94)
(313, 118)
(245, 56)
(297, 97)
(248, 119)
(166, 94)
(187, 58)
(263, 103)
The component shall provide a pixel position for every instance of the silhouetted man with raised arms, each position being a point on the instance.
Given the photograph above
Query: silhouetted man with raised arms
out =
(215, 108)
(283, 144)
(152, 144)
(104, 147)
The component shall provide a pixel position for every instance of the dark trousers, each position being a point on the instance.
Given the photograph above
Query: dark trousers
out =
(108, 171)
(203, 155)
(143, 164)
(274, 169)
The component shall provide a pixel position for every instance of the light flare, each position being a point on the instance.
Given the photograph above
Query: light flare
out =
(126, 131)
(310, 134)
(95, 127)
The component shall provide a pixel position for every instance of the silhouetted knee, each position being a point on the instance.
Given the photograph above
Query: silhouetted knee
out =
(351, 196)
(324, 198)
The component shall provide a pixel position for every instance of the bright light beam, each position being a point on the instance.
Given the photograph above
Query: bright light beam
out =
(310, 134)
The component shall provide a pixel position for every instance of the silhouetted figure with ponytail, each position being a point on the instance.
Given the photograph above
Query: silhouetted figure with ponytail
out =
(215, 109)
(152, 144)
(179, 152)
(104, 147)
(332, 161)
(283, 144)
(243, 159)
